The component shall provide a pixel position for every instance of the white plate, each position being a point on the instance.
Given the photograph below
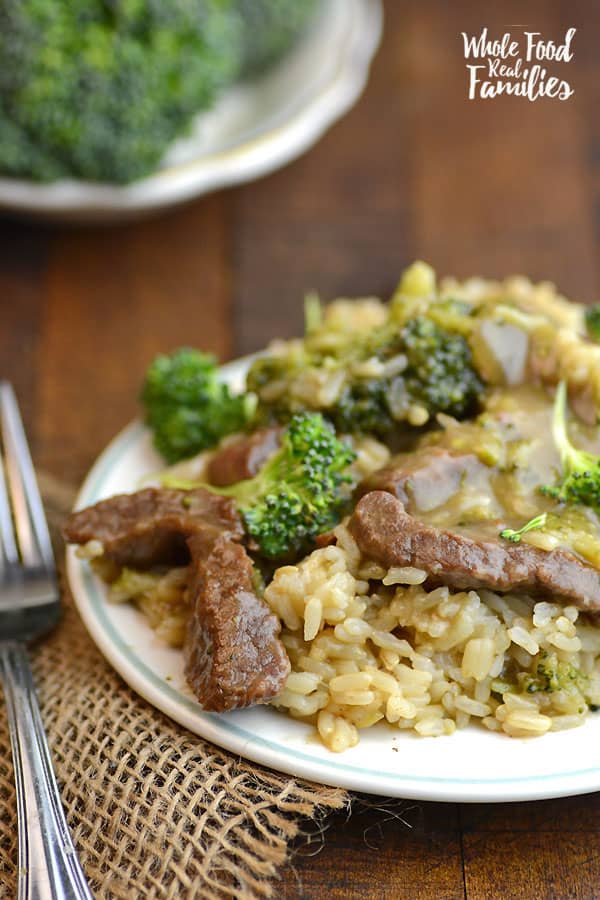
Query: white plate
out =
(254, 128)
(471, 765)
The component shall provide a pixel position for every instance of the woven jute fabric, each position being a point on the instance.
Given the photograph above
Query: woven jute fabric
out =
(155, 811)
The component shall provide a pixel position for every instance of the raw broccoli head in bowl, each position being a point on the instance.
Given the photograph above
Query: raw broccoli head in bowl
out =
(98, 89)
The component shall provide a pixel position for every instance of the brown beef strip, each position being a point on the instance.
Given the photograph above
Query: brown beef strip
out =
(150, 527)
(386, 533)
(233, 656)
(243, 457)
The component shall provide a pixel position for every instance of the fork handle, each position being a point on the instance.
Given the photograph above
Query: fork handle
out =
(48, 864)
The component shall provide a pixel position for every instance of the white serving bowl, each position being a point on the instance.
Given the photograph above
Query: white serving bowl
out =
(255, 127)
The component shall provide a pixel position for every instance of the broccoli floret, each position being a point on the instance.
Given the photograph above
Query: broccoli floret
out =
(548, 675)
(187, 407)
(440, 374)
(270, 29)
(363, 408)
(431, 370)
(438, 377)
(580, 477)
(509, 534)
(553, 675)
(300, 492)
(98, 89)
(20, 155)
(592, 321)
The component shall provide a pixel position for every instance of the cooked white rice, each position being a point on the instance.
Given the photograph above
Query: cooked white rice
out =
(427, 661)
(162, 597)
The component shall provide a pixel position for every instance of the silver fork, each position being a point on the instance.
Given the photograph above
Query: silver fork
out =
(30, 607)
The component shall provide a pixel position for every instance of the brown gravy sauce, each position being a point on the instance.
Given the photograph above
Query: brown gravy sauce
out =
(506, 455)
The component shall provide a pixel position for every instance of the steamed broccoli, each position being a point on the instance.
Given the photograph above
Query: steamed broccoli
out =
(301, 490)
(580, 477)
(363, 408)
(552, 674)
(439, 375)
(98, 89)
(548, 675)
(187, 407)
(420, 369)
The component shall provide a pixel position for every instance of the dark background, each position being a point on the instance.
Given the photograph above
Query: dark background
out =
(415, 170)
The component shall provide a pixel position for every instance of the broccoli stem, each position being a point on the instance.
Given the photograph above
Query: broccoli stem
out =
(572, 460)
(559, 426)
(275, 471)
(580, 478)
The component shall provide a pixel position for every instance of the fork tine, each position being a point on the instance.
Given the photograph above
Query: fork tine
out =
(30, 521)
(8, 549)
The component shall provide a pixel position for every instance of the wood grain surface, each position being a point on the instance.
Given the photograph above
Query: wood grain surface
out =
(415, 170)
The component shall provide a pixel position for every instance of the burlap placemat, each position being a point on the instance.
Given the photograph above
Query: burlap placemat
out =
(155, 811)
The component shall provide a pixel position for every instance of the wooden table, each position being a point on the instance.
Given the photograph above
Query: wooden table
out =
(415, 170)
